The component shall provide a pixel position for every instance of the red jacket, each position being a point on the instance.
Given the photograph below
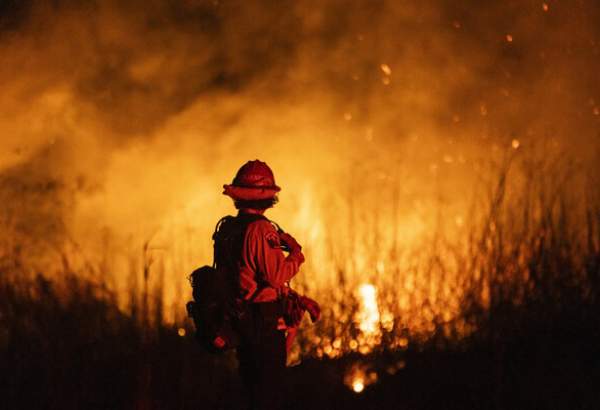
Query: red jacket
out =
(263, 261)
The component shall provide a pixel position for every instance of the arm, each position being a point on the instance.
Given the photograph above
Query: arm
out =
(262, 252)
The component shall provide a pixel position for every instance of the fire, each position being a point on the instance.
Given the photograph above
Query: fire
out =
(358, 385)
(368, 318)
(359, 376)
(368, 315)
(114, 171)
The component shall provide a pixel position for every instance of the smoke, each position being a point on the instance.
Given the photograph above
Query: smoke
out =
(126, 117)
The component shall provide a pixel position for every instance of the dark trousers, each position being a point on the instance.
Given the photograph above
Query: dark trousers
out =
(261, 355)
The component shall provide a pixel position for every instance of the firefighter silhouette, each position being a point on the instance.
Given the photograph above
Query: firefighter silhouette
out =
(260, 260)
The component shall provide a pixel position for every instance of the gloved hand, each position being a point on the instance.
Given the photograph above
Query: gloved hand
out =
(312, 306)
(290, 242)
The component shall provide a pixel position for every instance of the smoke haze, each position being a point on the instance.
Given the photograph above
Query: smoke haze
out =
(122, 120)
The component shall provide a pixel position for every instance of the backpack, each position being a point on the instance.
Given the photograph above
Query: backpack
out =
(216, 303)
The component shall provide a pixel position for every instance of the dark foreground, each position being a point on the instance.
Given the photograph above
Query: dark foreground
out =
(83, 354)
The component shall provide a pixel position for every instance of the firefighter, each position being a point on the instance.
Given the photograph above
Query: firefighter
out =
(252, 249)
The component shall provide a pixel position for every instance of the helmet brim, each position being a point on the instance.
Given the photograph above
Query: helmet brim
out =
(250, 193)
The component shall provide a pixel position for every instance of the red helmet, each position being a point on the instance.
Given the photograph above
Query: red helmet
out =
(253, 181)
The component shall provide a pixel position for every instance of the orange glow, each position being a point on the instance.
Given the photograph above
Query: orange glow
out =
(406, 172)
(386, 69)
(358, 385)
(359, 376)
(368, 315)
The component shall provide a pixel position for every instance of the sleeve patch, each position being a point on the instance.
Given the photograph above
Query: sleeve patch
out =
(273, 239)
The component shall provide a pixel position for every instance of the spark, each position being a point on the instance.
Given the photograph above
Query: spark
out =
(358, 377)
(509, 38)
(181, 332)
(515, 143)
(386, 69)
(545, 7)
(483, 109)
(358, 385)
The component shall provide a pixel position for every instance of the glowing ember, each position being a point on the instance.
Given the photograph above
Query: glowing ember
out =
(181, 332)
(515, 143)
(545, 7)
(403, 342)
(386, 69)
(509, 38)
(358, 385)
(359, 376)
(483, 109)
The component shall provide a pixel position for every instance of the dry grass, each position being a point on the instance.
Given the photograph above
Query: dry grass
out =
(523, 274)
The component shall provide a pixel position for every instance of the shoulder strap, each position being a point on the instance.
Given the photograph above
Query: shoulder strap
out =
(214, 236)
